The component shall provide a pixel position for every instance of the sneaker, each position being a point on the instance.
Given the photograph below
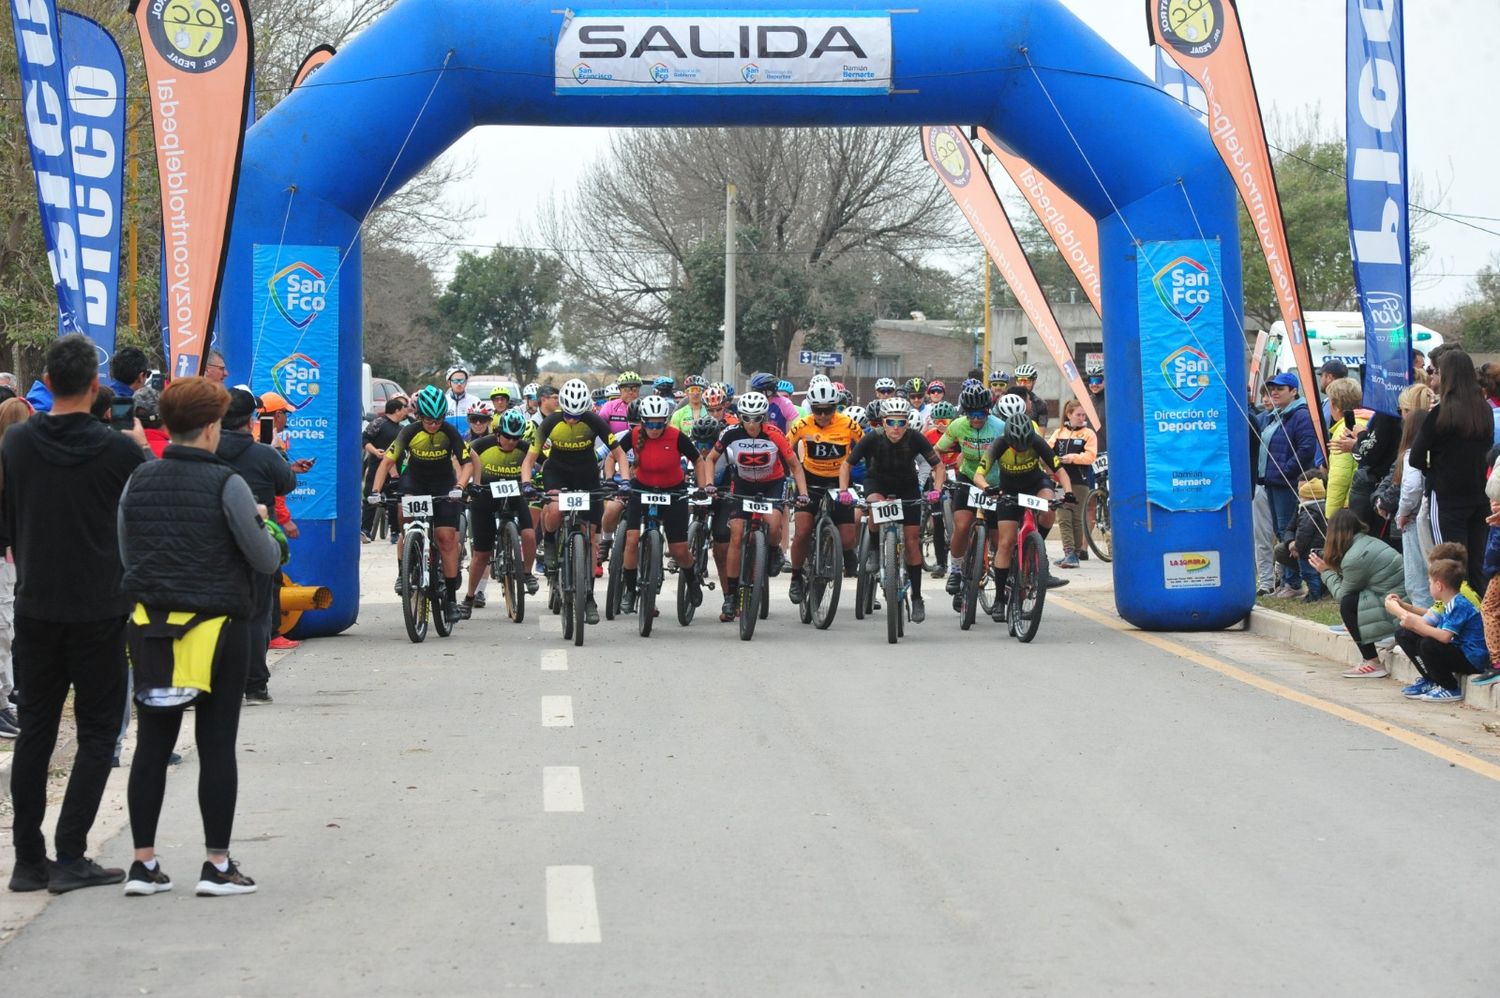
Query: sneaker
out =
(282, 643)
(9, 728)
(1486, 678)
(532, 584)
(1373, 669)
(591, 611)
(260, 696)
(466, 606)
(1384, 644)
(599, 571)
(81, 873)
(798, 589)
(627, 600)
(1264, 590)
(1082, 555)
(212, 883)
(1053, 582)
(479, 599)
(918, 609)
(366, 536)
(1415, 690)
(777, 562)
(939, 572)
(1338, 628)
(28, 877)
(1067, 561)
(143, 882)
(1312, 597)
(1286, 592)
(1441, 694)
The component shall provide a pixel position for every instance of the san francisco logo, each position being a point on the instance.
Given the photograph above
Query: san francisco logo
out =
(1187, 370)
(1192, 27)
(1183, 287)
(296, 378)
(299, 293)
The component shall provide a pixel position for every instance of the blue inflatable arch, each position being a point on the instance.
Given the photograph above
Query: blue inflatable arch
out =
(1146, 170)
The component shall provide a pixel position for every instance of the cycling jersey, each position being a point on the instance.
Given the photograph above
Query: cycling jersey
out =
(891, 464)
(933, 435)
(613, 413)
(973, 444)
(765, 458)
(823, 448)
(683, 418)
(497, 464)
(572, 443)
(658, 463)
(459, 405)
(781, 413)
(428, 457)
(1015, 463)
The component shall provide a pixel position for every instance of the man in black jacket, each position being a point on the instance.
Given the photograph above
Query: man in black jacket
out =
(269, 475)
(63, 475)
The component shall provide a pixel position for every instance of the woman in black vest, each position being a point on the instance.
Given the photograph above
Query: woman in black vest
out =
(191, 539)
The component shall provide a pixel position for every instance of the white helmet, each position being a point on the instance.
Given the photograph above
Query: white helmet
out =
(1027, 371)
(752, 404)
(822, 393)
(818, 379)
(896, 408)
(611, 391)
(1009, 407)
(531, 390)
(918, 421)
(857, 413)
(885, 384)
(1094, 365)
(656, 407)
(574, 397)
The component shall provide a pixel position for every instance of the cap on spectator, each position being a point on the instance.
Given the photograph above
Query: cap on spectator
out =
(147, 403)
(545, 391)
(272, 402)
(241, 405)
(1333, 367)
(1285, 379)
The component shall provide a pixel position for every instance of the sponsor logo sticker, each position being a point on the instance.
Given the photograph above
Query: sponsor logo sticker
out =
(1191, 570)
(193, 35)
(299, 293)
(1192, 27)
(950, 151)
(1184, 287)
(296, 379)
(1187, 370)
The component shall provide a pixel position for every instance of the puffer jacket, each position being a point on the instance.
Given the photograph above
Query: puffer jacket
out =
(1372, 569)
(1289, 446)
(1340, 465)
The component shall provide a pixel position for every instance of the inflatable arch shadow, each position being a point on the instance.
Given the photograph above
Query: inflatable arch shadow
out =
(346, 140)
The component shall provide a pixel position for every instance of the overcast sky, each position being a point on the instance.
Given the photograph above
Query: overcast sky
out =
(1297, 53)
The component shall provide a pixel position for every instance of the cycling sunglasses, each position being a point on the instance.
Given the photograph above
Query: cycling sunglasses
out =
(752, 419)
(977, 413)
(571, 417)
(895, 423)
(885, 391)
(654, 424)
(517, 438)
(822, 410)
(1094, 381)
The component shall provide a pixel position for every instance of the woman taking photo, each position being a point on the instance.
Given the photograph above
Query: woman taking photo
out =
(1450, 450)
(191, 540)
(1359, 571)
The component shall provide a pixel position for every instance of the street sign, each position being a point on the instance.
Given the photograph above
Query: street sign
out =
(825, 358)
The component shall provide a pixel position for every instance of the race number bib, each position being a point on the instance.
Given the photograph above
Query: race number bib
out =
(656, 498)
(505, 490)
(416, 507)
(886, 512)
(1031, 502)
(573, 502)
(978, 500)
(1101, 464)
(755, 506)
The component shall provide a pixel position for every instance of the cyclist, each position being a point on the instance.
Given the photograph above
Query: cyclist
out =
(1021, 463)
(999, 384)
(529, 393)
(658, 450)
(500, 398)
(611, 391)
(759, 460)
(716, 401)
(598, 398)
(1026, 381)
(498, 457)
(571, 466)
(431, 454)
(457, 399)
(936, 392)
(970, 435)
(785, 388)
(693, 407)
(780, 412)
(940, 414)
(885, 388)
(481, 415)
(546, 404)
(614, 410)
(1094, 381)
(822, 440)
(890, 456)
(666, 386)
(915, 389)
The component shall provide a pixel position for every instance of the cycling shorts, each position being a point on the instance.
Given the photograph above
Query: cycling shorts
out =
(815, 485)
(445, 511)
(482, 523)
(911, 511)
(1032, 485)
(575, 478)
(674, 518)
(774, 488)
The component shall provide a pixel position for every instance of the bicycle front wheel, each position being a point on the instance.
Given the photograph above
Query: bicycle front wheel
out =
(751, 574)
(890, 570)
(648, 581)
(827, 576)
(513, 589)
(1026, 604)
(696, 541)
(1096, 524)
(414, 599)
(583, 579)
(975, 568)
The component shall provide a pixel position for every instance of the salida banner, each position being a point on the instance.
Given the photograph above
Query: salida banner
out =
(1184, 398)
(951, 157)
(1376, 168)
(198, 58)
(295, 306)
(806, 51)
(1203, 37)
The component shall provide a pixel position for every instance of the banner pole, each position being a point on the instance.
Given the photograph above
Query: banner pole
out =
(134, 265)
(729, 289)
(984, 359)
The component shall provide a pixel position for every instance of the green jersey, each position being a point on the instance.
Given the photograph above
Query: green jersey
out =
(972, 442)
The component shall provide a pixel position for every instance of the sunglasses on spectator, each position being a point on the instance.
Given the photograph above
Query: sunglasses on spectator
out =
(895, 423)
(822, 410)
(654, 424)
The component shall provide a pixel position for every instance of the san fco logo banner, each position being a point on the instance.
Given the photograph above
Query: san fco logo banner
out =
(1186, 405)
(804, 52)
(295, 309)
(1376, 170)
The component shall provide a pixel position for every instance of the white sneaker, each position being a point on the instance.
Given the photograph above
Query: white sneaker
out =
(1373, 669)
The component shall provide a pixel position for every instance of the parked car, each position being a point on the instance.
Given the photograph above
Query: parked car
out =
(377, 392)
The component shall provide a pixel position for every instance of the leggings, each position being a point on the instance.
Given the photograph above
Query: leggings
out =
(1489, 612)
(216, 720)
(1438, 662)
(1349, 613)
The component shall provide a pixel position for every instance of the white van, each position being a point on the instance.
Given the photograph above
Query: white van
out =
(1330, 336)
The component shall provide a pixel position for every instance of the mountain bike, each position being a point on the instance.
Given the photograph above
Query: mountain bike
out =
(977, 592)
(1028, 565)
(1096, 512)
(700, 545)
(507, 564)
(425, 592)
(825, 566)
(650, 564)
(575, 568)
(755, 546)
(614, 586)
(886, 518)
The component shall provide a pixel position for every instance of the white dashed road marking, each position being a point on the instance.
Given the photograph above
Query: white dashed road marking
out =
(550, 624)
(557, 712)
(572, 909)
(562, 788)
(555, 660)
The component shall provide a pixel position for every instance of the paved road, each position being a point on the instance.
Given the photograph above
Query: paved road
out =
(810, 814)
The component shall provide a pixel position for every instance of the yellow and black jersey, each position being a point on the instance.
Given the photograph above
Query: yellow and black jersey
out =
(572, 443)
(497, 464)
(416, 451)
(1014, 461)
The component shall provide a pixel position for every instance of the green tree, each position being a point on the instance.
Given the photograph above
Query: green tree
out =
(1478, 317)
(502, 307)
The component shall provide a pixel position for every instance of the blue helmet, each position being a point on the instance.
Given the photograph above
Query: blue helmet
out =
(785, 386)
(762, 382)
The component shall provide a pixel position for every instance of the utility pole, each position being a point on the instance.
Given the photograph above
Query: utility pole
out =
(728, 360)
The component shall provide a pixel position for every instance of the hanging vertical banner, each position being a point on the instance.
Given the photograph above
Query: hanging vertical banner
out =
(950, 156)
(44, 109)
(296, 294)
(1376, 168)
(311, 63)
(1184, 399)
(1073, 230)
(198, 59)
(96, 107)
(1179, 85)
(1203, 37)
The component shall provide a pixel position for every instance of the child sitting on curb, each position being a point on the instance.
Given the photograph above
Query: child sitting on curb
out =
(1442, 651)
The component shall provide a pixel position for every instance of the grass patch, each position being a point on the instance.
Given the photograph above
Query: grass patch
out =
(1325, 611)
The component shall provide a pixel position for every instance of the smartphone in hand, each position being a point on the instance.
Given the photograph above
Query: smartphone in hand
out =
(267, 429)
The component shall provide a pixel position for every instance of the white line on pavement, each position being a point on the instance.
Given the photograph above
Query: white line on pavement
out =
(562, 788)
(555, 660)
(572, 909)
(557, 712)
(550, 624)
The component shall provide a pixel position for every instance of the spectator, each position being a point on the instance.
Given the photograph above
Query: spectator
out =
(147, 401)
(214, 368)
(376, 439)
(1489, 380)
(274, 405)
(1346, 422)
(8, 380)
(1094, 381)
(1076, 446)
(1489, 609)
(1360, 571)
(1446, 648)
(1453, 552)
(10, 393)
(13, 411)
(1264, 534)
(269, 477)
(192, 542)
(63, 475)
(1450, 450)
(1418, 368)
(1332, 370)
(1403, 501)
(39, 395)
(1311, 524)
(128, 370)
(104, 400)
(1289, 447)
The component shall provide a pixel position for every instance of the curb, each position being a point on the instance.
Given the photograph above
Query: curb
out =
(1317, 639)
